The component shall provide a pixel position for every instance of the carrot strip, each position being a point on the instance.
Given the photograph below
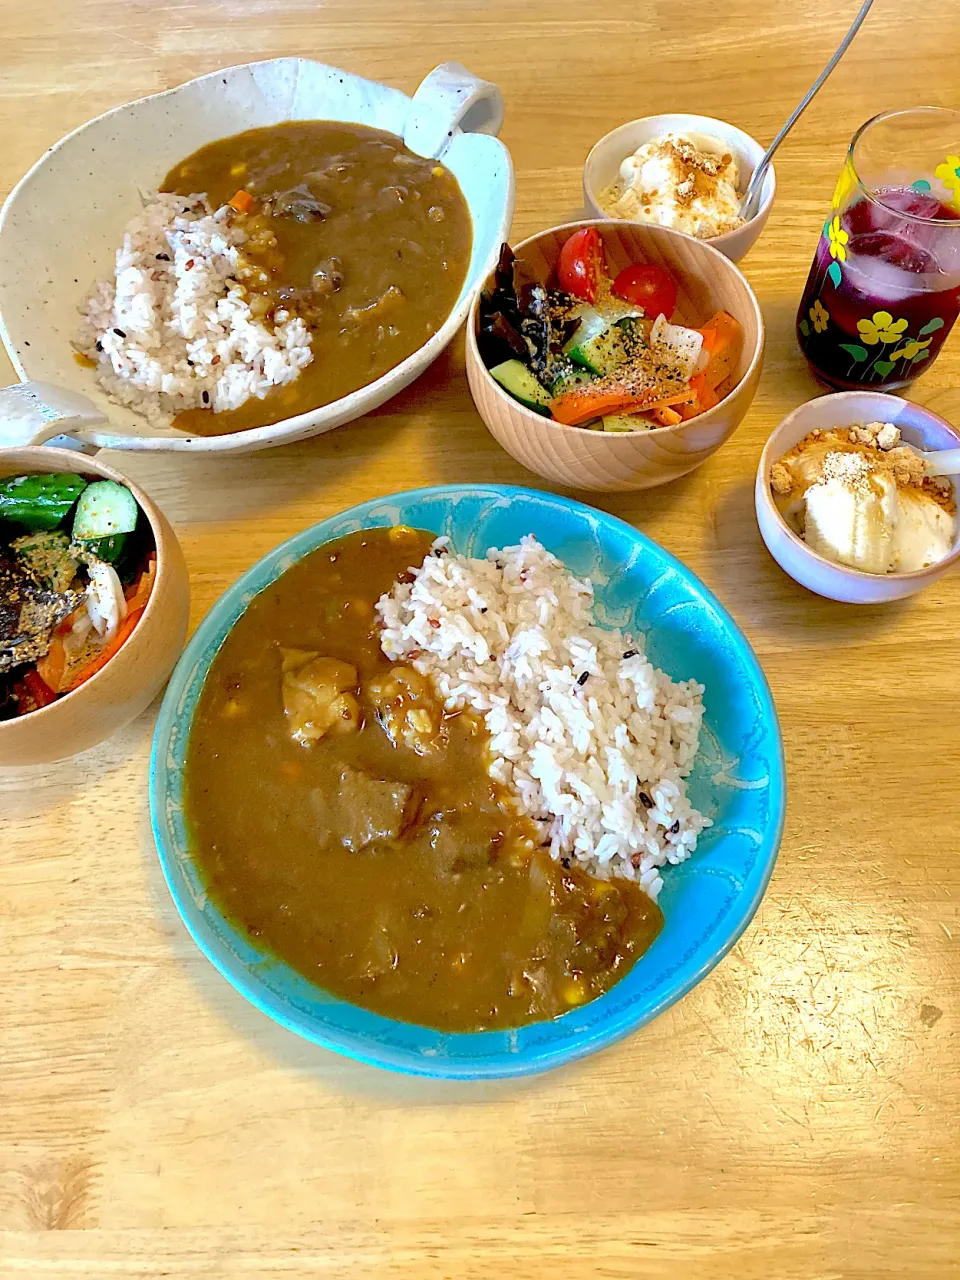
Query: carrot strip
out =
(51, 666)
(108, 650)
(579, 405)
(137, 595)
(666, 416)
(32, 693)
(722, 336)
(243, 201)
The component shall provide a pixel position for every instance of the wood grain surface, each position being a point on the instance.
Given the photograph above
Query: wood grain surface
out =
(798, 1115)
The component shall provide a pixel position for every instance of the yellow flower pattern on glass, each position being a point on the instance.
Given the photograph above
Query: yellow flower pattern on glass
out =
(880, 328)
(949, 175)
(819, 316)
(838, 239)
(845, 184)
(911, 349)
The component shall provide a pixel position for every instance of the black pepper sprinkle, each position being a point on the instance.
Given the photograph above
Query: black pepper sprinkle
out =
(672, 831)
(645, 800)
(99, 345)
(483, 609)
(163, 257)
(205, 397)
(583, 679)
(631, 653)
(119, 333)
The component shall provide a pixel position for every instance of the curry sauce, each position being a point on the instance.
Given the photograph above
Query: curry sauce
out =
(346, 227)
(349, 825)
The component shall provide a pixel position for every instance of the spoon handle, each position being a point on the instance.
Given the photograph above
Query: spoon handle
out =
(756, 181)
(942, 462)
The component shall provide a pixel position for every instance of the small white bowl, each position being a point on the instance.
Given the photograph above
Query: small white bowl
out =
(603, 165)
(919, 427)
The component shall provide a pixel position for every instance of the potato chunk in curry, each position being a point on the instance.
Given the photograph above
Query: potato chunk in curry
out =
(405, 705)
(319, 695)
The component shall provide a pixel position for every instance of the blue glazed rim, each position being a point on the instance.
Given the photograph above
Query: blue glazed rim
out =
(405, 1047)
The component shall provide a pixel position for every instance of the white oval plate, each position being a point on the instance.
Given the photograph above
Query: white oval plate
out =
(63, 222)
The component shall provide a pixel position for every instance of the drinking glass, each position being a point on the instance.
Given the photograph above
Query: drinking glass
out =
(884, 288)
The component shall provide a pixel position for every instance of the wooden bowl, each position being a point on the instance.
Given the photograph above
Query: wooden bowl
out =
(134, 676)
(584, 459)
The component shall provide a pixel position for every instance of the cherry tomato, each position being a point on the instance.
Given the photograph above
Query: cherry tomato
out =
(649, 287)
(581, 264)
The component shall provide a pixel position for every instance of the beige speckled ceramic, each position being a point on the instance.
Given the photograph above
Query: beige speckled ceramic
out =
(135, 675)
(61, 225)
(584, 459)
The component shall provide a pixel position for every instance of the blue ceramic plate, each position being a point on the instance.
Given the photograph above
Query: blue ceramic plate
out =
(738, 781)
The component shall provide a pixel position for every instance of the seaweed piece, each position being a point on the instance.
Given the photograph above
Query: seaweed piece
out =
(521, 319)
(499, 337)
(29, 613)
(499, 340)
(47, 556)
(9, 705)
(534, 310)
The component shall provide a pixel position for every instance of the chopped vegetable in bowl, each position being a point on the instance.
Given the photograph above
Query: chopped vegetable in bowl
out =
(77, 565)
(599, 353)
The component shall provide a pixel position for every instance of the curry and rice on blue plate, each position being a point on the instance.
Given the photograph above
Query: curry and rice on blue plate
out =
(440, 791)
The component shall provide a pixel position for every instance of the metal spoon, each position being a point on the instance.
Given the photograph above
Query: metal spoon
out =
(750, 203)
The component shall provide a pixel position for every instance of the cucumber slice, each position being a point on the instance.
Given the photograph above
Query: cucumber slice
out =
(626, 422)
(568, 379)
(109, 549)
(516, 378)
(40, 501)
(606, 350)
(105, 508)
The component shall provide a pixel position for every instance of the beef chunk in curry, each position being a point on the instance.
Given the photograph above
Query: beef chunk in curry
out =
(360, 809)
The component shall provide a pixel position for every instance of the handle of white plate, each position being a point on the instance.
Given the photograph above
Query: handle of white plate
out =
(35, 412)
(451, 98)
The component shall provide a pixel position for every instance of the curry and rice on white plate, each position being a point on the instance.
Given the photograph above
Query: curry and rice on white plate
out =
(256, 256)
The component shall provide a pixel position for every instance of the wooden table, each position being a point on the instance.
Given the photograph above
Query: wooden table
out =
(799, 1113)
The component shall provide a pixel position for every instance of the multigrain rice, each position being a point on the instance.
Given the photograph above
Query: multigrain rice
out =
(172, 329)
(591, 738)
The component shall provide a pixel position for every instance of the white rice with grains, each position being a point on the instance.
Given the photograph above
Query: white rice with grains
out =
(172, 329)
(591, 738)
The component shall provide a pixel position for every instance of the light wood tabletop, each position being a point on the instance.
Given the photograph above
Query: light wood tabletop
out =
(798, 1114)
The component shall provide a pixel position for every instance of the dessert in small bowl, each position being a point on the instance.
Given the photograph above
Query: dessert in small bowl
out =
(843, 501)
(613, 356)
(94, 601)
(682, 171)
